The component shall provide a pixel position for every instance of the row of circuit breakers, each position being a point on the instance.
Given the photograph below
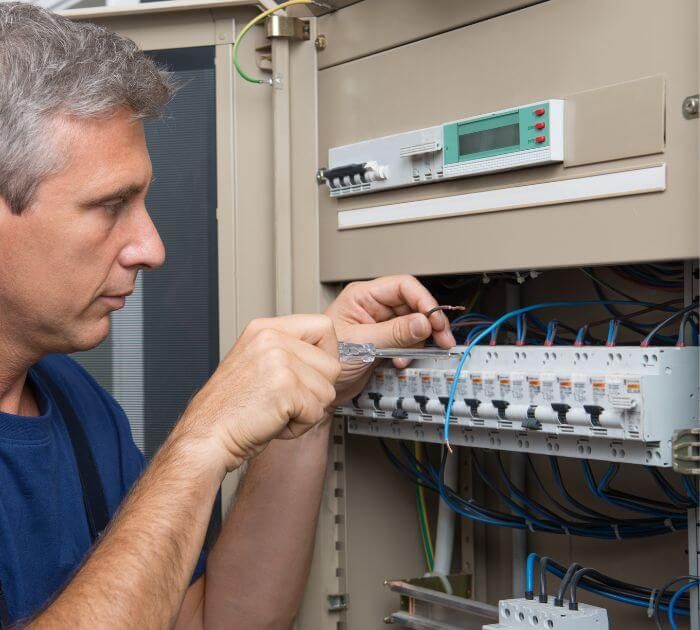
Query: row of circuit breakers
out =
(520, 137)
(614, 404)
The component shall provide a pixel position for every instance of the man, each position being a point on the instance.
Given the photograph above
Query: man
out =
(74, 232)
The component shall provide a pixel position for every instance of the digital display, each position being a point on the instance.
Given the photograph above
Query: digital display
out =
(489, 139)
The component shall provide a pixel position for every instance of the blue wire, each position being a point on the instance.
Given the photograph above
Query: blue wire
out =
(530, 572)
(691, 490)
(475, 330)
(674, 601)
(499, 322)
(611, 331)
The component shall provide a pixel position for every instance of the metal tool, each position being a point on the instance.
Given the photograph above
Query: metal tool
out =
(368, 352)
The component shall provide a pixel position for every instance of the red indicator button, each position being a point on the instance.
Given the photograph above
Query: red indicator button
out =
(539, 125)
(540, 139)
(539, 112)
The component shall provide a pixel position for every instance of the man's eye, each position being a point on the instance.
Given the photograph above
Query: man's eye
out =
(113, 207)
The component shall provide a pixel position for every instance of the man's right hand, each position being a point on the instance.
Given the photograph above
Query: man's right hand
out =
(276, 382)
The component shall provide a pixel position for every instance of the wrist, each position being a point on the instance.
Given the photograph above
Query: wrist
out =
(203, 456)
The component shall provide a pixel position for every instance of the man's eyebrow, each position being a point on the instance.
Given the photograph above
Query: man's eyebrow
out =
(125, 192)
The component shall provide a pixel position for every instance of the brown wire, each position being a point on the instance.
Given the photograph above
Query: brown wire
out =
(444, 307)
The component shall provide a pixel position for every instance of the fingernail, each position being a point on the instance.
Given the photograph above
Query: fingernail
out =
(419, 327)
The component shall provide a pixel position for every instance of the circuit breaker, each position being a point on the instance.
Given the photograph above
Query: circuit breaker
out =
(620, 404)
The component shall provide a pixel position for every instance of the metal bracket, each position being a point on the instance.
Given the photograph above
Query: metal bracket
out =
(691, 106)
(337, 602)
(289, 27)
(686, 452)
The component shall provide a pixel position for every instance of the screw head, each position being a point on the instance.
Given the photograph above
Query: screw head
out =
(321, 42)
(691, 106)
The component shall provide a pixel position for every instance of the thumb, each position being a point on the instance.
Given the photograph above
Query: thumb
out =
(400, 332)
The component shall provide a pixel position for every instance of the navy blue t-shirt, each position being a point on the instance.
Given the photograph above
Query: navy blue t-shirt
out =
(44, 534)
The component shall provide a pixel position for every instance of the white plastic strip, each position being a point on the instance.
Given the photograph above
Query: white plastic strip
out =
(638, 181)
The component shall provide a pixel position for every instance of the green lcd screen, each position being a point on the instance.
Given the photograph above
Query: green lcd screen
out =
(489, 139)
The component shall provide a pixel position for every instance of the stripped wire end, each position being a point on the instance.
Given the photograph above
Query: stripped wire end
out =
(444, 307)
(449, 447)
(613, 327)
(551, 332)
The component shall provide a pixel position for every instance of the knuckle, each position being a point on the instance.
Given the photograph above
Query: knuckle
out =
(267, 338)
(277, 358)
(399, 331)
(336, 369)
(326, 323)
(253, 327)
(286, 379)
(353, 286)
(329, 395)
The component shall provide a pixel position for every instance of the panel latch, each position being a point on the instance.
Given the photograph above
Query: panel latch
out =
(686, 451)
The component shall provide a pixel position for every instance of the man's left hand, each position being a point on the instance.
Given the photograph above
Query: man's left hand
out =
(388, 312)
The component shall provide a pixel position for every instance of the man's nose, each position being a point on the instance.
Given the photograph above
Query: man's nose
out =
(145, 247)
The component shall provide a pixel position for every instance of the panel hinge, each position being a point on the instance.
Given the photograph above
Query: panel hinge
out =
(691, 106)
(686, 452)
(289, 27)
(337, 602)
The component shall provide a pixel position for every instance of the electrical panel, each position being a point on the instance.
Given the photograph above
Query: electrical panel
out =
(516, 614)
(498, 141)
(620, 404)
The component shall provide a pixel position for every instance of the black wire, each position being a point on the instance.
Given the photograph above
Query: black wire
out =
(573, 604)
(667, 321)
(544, 561)
(660, 593)
(565, 581)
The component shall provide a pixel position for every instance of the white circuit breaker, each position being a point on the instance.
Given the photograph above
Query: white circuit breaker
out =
(524, 614)
(618, 404)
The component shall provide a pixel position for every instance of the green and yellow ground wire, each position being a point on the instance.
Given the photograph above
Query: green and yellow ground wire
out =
(250, 25)
(423, 516)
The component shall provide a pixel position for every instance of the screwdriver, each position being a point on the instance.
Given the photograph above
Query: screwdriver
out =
(368, 352)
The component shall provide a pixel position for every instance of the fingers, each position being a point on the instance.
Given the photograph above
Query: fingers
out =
(290, 352)
(317, 330)
(397, 295)
(400, 332)
(316, 384)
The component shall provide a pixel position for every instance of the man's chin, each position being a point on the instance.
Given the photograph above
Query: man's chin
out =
(89, 338)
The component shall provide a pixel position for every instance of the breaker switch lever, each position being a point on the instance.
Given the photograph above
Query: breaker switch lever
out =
(594, 412)
(561, 410)
(473, 404)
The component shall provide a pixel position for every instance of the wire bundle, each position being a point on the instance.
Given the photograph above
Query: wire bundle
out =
(586, 578)
(566, 515)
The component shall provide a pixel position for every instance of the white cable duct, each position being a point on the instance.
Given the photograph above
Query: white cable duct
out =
(445, 537)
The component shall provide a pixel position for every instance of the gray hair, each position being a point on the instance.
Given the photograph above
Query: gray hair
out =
(51, 66)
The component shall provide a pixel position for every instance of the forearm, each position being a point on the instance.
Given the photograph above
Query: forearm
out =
(257, 570)
(138, 574)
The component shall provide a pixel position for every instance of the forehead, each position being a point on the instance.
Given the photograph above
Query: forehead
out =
(100, 152)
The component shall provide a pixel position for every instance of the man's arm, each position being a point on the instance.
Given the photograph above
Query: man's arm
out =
(138, 574)
(257, 570)
(258, 567)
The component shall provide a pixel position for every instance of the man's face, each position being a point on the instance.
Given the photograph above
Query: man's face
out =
(70, 258)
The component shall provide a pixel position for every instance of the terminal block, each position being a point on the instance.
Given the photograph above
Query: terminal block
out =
(620, 404)
(516, 614)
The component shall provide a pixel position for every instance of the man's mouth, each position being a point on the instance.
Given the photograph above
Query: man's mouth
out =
(115, 301)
